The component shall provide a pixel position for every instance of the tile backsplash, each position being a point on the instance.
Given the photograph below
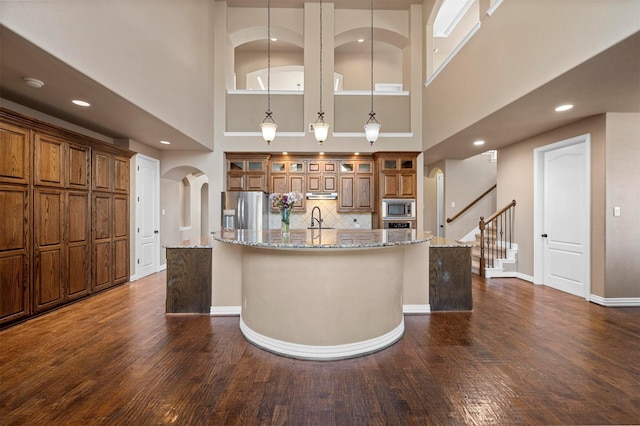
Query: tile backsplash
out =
(330, 217)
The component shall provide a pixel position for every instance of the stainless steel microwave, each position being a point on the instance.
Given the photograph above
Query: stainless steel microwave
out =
(398, 208)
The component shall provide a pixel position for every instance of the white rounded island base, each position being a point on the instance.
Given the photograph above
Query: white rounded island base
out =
(323, 302)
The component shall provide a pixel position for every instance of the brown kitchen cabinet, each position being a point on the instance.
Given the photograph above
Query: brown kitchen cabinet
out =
(50, 179)
(246, 172)
(397, 175)
(288, 175)
(357, 188)
(322, 176)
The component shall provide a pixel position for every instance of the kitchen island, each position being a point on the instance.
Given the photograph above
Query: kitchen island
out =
(321, 294)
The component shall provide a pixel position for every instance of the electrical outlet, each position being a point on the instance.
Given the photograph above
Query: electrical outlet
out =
(616, 211)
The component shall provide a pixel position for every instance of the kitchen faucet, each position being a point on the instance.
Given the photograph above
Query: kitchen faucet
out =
(317, 219)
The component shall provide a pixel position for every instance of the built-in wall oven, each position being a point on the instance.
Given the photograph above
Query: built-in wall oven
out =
(399, 224)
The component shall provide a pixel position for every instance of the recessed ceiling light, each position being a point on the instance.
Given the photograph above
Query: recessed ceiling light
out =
(478, 143)
(360, 40)
(33, 82)
(564, 108)
(356, 153)
(285, 153)
(274, 39)
(165, 142)
(321, 153)
(81, 103)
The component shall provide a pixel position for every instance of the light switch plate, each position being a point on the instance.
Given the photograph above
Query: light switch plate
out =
(616, 211)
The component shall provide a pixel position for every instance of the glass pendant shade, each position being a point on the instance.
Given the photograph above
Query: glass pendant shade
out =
(321, 131)
(268, 131)
(372, 130)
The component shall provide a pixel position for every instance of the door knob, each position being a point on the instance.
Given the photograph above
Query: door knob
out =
(156, 231)
(544, 235)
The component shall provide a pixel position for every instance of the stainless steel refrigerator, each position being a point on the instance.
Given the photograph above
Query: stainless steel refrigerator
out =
(249, 209)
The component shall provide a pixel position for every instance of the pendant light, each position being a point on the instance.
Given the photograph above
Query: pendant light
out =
(320, 128)
(372, 127)
(268, 126)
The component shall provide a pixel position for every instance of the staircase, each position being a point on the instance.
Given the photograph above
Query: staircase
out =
(505, 261)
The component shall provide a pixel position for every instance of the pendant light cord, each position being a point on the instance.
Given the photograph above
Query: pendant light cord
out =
(268, 56)
(372, 56)
(321, 113)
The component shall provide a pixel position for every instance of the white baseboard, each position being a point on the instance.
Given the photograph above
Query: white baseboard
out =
(322, 353)
(226, 311)
(133, 278)
(416, 309)
(162, 267)
(524, 277)
(615, 302)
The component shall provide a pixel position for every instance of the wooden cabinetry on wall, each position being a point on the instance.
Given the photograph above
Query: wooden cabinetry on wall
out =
(356, 186)
(322, 176)
(288, 175)
(397, 174)
(247, 172)
(46, 257)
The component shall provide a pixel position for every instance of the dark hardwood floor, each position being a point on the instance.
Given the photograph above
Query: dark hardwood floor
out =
(525, 355)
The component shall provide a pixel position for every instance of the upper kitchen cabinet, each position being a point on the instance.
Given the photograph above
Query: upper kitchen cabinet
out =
(110, 172)
(288, 175)
(15, 154)
(322, 176)
(247, 172)
(357, 189)
(397, 174)
(59, 163)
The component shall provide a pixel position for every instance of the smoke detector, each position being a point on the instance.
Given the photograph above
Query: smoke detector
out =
(33, 82)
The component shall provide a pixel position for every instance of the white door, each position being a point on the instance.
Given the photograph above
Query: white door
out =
(440, 203)
(147, 216)
(564, 228)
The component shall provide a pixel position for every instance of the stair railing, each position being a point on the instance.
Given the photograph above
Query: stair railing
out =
(471, 204)
(498, 236)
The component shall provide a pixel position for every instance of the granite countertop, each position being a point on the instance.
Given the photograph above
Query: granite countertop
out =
(444, 242)
(204, 242)
(326, 238)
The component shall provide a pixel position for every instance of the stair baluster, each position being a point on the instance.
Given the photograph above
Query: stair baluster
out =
(499, 236)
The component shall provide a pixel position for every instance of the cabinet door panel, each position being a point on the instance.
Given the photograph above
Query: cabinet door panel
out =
(121, 260)
(364, 196)
(256, 182)
(121, 174)
(101, 171)
(102, 265)
(406, 185)
(314, 183)
(49, 214)
(78, 167)
(79, 270)
(14, 286)
(279, 183)
(14, 214)
(120, 215)
(329, 183)
(79, 232)
(49, 161)
(389, 185)
(101, 216)
(297, 183)
(15, 154)
(48, 280)
(346, 196)
(235, 182)
(49, 249)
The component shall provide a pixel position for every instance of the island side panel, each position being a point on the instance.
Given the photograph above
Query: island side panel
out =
(226, 285)
(188, 280)
(415, 293)
(450, 279)
(322, 298)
